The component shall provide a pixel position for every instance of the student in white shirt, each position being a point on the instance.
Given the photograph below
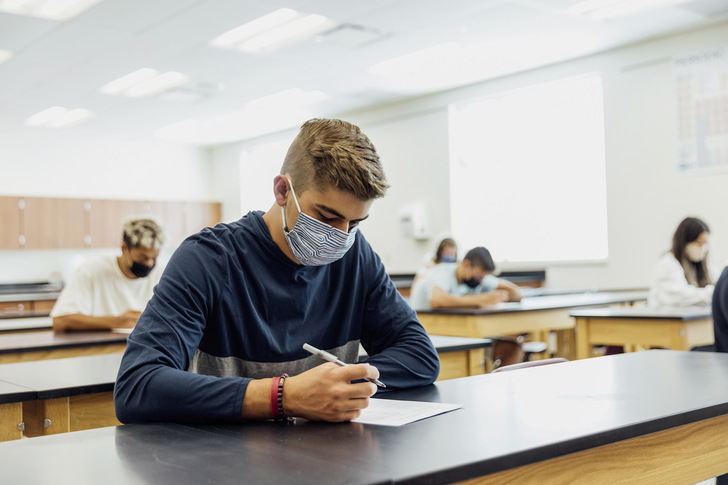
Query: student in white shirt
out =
(683, 276)
(110, 291)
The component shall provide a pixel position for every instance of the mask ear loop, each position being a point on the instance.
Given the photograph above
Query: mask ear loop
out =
(295, 199)
(283, 212)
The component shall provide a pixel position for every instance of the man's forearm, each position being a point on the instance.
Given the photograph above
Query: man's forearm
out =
(79, 321)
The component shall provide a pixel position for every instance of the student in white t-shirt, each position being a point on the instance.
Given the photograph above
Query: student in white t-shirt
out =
(110, 291)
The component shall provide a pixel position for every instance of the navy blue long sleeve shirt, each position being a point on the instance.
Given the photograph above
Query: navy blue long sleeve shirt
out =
(720, 312)
(232, 307)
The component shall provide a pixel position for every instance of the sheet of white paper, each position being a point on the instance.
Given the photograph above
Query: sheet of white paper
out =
(390, 412)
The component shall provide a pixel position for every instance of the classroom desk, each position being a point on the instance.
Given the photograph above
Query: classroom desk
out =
(24, 323)
(459, 356)
(76, 393)
(45, 344)
(676, 328)
(646, 417)
(535, 315)
(60, 395)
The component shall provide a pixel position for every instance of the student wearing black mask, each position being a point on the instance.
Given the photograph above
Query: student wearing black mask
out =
(462, 285)
(109, 291)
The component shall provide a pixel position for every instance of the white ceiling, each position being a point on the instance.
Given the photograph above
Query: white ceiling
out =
(66, 63)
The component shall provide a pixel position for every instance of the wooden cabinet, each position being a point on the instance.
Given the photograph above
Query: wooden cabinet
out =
(106, 218)
(54, 223)
(11, 228)
(57, 223)
(26, 307)
(180, 219)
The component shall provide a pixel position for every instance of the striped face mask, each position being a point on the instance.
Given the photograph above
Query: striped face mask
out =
(315, 243)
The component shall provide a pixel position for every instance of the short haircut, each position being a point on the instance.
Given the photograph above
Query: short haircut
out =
(143, 232)
(481, 257)
(334, 153)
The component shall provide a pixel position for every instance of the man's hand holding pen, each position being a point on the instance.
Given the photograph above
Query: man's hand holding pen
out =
(326, 392)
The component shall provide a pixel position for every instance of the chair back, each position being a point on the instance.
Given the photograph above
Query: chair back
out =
(507, 350)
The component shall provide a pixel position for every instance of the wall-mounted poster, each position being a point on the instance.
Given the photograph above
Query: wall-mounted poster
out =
(701, 82)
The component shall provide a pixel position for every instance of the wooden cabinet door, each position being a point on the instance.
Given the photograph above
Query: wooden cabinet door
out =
(106, 218)
(54, 223)
(11, 228)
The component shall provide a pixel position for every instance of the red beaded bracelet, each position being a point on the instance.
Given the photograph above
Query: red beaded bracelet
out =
(274, 398)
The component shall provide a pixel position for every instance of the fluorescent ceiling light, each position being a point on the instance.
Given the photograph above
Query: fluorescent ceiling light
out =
(145, 82)
(273, 31)
(48, 9)
(605, 9)
(59, 117)
(290, 98)
(5, 55)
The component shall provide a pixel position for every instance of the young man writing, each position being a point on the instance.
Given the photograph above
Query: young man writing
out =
(238, 301)
(462, 285)
(111, 291)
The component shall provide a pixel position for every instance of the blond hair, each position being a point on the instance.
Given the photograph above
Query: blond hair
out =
(143, 231)
(334, 153)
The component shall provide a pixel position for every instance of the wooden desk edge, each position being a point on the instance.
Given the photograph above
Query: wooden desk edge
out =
(689, 453)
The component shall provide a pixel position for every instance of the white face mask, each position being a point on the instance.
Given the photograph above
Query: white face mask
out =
(695, 252)
(315, 243)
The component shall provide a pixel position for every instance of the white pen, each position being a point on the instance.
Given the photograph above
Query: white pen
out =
(332, 358)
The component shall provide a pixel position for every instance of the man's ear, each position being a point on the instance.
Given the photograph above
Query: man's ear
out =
(280, 189)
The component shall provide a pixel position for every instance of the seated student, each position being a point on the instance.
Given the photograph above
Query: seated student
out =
(447, 252)
(462, 285)
(229, 318)
(720, 328)
(110, 291)
(683, 276)
(720, 313)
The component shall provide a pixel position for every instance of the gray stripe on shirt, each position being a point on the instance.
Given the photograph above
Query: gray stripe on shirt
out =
(211, 365)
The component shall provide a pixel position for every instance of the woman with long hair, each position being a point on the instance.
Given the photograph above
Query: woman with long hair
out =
(683, 276)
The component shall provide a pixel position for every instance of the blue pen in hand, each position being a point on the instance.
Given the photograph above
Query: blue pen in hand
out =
(332, 358)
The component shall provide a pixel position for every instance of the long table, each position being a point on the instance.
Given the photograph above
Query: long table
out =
(646, 417)
(71, 394)
(676, 328)
(46, 344)
(24, 323)
(538, 316)
(58, 395)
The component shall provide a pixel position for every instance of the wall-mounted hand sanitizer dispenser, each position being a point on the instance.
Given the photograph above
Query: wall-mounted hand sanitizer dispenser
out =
(414, 222)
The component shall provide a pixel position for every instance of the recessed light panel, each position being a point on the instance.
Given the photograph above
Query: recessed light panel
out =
(59, 117)
(47, 9)
(607, 9)
(5, 55)
(273, 31)
(144, 83)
